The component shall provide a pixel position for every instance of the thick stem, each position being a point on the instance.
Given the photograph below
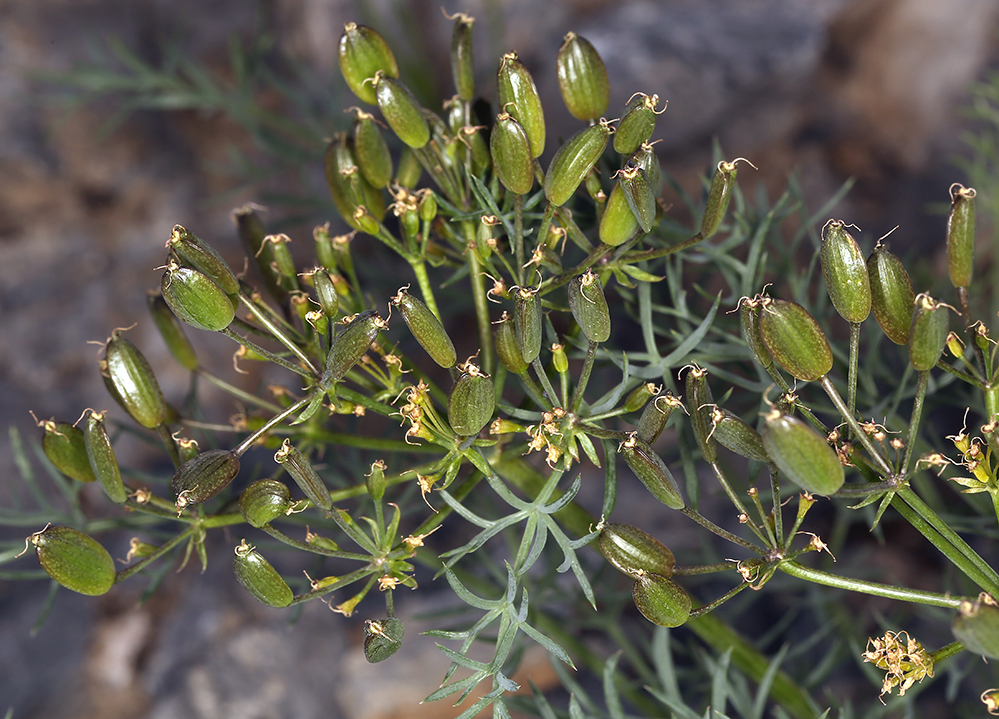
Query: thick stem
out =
(876, 589)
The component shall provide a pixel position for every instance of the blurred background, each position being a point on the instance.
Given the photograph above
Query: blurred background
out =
(91, 181)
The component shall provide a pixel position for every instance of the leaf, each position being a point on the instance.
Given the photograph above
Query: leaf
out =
(640, 275)
(548, 643)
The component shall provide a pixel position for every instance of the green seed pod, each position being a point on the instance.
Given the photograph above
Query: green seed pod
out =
(74, 560)
(647, 160)
(305, 476)
(135, 384)
(264, 501)
(323, 247)
(652, 471)
(326, 294)
(527, 322)
(382, 638)
(735, 435)
(375, 481)
(582, 78)
(195, 252)
(618, 223)
(348, 188)
(699, 405)
(252, 231)
(511, 153)
(655, 416)
(426, 328)
(801, 454)
(638, 194)
(103, 462)
(519, 97)
(845, 272)
(573, 161)
(201, 478)
(462, 66)
(661, 600)
(259, 578)
(409, 170)
(172, 332)
(928, 333)
(639, 396)
(187, 448)
(891, 294)
(471, 402)
(560, 360)
(351, 344)
(635, 552)
(65, 447)
(637, 124)
(961, 235)
(795, 339)
(977, 626)
(402, 112)
(196, 299)
(718, 197)
(589, 306)
(363, 53)
(749, 318)
(371, 150)
(507, 348)
(427, 206)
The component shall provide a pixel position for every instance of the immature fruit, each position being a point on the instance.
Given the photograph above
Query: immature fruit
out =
(801, 454)
(351, 344)
(655, 416)
(652, 471)
(371, 150)
(718, 197)
(735, 435)
(618, 223)
(928, 333)
(259, 578)
(471, 402)
(402, 112)
(264, 501)
(845, 272)
(891, 294)
(326, 294)
(582, 78)
(647, 160)
(252, 231)
(74, 560)
(201, 478)
(348, 187)
(195, 252)
(196, 298)
(961, 235)
(639, 396)
(699, 406)
(589, 306)
(462, 67)
(573, 161)
(519, 97)
(65, 447)
(977, 626)
(135, 384)
(426, 328)
(511, 153)
(382, 638)
(637, 124)
(507, 348)
(795, 339)
(661, 600)
(363, 52)
(103, 462)
(409, 170)
(635, 552)
(305, 476)
(639, 194)
(749, 319)
(527, 322)
(172, 332)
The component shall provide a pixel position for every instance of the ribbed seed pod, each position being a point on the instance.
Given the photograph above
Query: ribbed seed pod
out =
(426, 328)
(519, 97)
(201, 478)
(795, 339)
(655, 416)
(634, 552)
(351, 344)
(427, 206)
(507, 347)
(618, 223)
(511, 154)
(135, 384)
(582, 78)
(573, 161)
(928, 333)
(891, 294)
(845, 272)
(462, 66)
(409, 169)
(371, 150)
(326, 294)
(348, 188)
(637, 124)
(589, 306)
(961, 235)
(305, 476)
(652, 471)
(382, 638)
(718, 197)
(976, 626)
(196, 298)
(375, 481)
(639, 194)
(647, 160)
(259, 578)
(402, 112)
(264, 501)
(471, 402)
(66, 448)
(362, 53)
(801, 454)
(639, 396)
(195, 252)
(699, 405)
(749, 318)
(172, 332)
(527, 322)
(103, 462)
(74, 560)
(735, 435)
(661, 600)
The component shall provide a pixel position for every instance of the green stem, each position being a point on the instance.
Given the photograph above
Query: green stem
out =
(705, 609)
(479, 299)
(518, 236)
(272, 422)
(239, 339)
(546, 222)
(724, 534)
(974, 381)
(876, 589)
(306, 547)
(426, 289)
(662, 251)
(171, 446)
(539, 370)
(736, 502)
(851, 396)
(576, 234)
(279, 335)
(338, 584)
(584, 377)
(859, 433)
(236, 391)
(917, 414)
(146, 561)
